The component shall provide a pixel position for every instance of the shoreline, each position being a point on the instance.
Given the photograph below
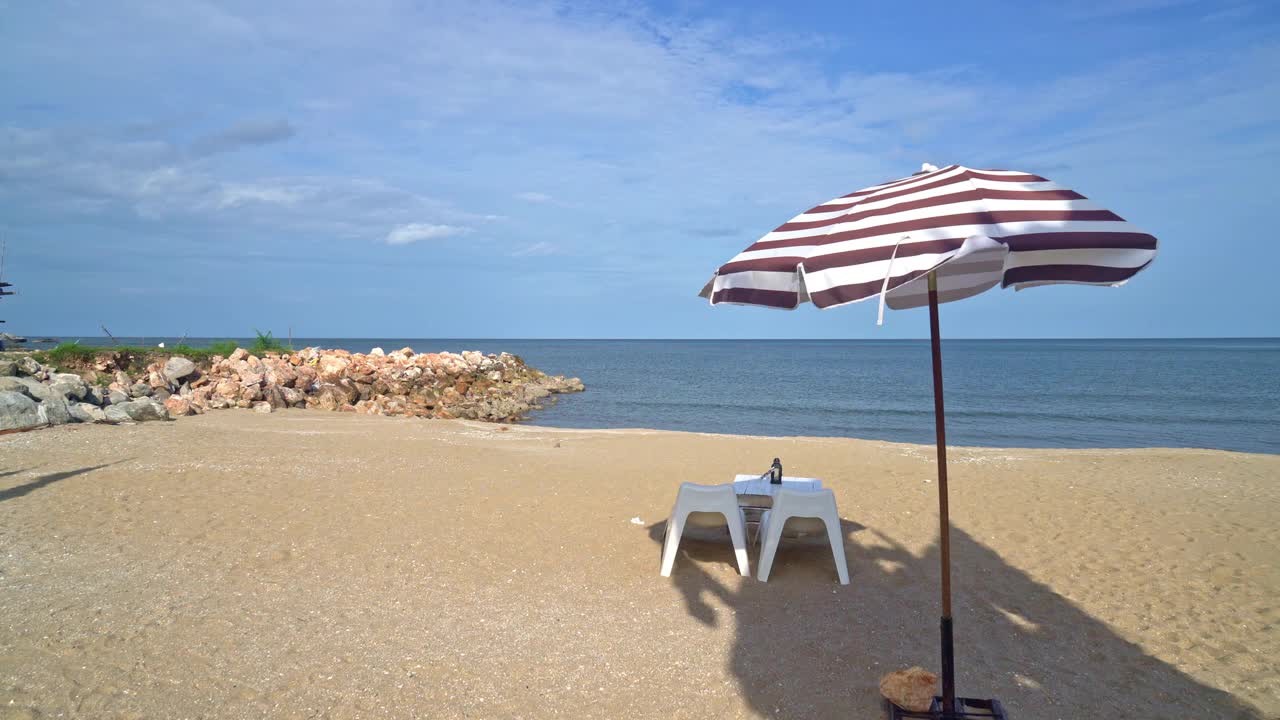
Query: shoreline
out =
(533, 425)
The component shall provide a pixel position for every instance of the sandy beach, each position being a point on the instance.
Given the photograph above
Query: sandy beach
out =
(323, 565)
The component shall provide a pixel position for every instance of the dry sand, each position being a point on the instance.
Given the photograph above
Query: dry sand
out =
(317, 565)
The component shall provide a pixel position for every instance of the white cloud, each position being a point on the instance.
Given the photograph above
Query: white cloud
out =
(537, 249)
(414, 232)
(534, 197)
(235, 195)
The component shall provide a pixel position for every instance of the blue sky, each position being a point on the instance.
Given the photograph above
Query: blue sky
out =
(396, 169)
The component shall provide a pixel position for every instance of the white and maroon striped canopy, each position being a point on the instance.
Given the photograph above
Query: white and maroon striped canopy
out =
(974, 228)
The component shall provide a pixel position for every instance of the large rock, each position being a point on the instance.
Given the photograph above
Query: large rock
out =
(178, 368)
(249, 377)
(67, 385)
(29, 367)
(84, 412)
(274, 395)
(117, 414)
(115, 397)
(96, 395)
(30, 387)
(54, 411)
(177, 406)
(14, 384)
(140, 390)
(306, 380)
(293, 398)
(17, 411)
(332, 367)
(144, 409)
(8, 368)
(328, 397)
(262, 407)
(228, 389)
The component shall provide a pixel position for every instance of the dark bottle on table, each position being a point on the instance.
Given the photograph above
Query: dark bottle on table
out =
(775, 472)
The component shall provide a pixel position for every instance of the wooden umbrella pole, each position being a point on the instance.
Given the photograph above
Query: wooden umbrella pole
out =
(944, 519)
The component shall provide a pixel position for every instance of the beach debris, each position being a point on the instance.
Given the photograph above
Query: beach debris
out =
(636, 520)
(911, 689)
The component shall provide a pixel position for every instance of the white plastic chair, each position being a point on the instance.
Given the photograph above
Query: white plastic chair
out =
(701, 506)
(819, 504)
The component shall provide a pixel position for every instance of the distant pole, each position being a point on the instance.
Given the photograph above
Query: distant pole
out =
(944, 519)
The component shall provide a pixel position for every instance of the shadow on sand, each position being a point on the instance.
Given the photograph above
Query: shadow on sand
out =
(1016, 639)
(19, 490)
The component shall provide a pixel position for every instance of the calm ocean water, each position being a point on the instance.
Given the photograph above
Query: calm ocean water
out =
(1013, 393)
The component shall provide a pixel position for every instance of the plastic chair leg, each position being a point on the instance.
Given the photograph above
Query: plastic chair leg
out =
(675, 528)
(832, 521)
(772, 536)
(738, 533)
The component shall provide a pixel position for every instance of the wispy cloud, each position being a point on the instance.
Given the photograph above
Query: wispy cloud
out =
(416, 232)
(244, 134)
(534, 197)
(537, 249)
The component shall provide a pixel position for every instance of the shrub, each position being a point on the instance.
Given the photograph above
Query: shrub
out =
(223, 347)
(265, 343)
(68, 352)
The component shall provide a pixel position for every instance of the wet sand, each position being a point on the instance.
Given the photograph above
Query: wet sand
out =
(321, 565)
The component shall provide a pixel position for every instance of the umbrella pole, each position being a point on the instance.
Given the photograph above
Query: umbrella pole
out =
(944, 520)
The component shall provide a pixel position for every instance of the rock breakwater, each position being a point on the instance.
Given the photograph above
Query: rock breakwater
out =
(469, 385)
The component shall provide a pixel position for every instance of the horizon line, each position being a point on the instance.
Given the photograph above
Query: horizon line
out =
(65, 337)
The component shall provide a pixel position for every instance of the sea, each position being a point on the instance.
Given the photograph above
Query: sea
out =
(1200, 393)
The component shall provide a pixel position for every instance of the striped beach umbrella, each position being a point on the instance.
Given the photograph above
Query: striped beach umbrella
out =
(940, 235)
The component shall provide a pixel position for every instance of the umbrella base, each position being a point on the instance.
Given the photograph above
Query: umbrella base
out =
(966, 709)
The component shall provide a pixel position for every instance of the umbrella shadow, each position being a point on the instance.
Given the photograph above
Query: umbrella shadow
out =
(700, 547)
(18, 491)
(805, 646)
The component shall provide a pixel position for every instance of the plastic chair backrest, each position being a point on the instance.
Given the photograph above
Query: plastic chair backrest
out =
(804, 503)
(707, 492)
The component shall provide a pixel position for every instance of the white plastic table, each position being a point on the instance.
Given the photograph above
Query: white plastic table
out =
(756, 485)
